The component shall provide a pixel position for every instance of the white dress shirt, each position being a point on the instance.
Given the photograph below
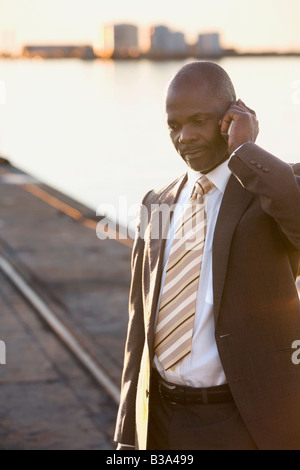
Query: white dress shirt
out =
(202, 367)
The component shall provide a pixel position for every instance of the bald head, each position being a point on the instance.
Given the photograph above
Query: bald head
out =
(197, 99)
(206, 73)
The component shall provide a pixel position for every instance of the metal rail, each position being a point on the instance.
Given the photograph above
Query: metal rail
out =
(60, 329)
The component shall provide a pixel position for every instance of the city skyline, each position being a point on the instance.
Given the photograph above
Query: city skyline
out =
(250, 25)
(122, 41)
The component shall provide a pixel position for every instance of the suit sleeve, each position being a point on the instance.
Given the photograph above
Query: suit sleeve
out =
(125, 426)
(275, 182)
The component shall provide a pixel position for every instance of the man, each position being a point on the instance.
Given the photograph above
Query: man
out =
(208, 352)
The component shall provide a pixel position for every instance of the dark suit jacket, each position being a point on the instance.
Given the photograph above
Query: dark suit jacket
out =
(256, 252)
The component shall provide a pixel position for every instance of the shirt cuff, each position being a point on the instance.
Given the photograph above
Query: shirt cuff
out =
(233, 153)
(125, 445)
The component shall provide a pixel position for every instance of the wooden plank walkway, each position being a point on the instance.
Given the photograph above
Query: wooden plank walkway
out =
(47, 401)
(51, 241)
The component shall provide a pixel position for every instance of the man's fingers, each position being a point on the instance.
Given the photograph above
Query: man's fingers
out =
(231, 115)
(242, 105)
(234, 112)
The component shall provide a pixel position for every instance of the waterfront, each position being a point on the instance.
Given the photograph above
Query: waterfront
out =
(96, 130)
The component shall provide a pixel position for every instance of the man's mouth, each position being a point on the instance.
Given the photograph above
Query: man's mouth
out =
(192, 152)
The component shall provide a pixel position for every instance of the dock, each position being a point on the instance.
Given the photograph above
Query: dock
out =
(64, 312)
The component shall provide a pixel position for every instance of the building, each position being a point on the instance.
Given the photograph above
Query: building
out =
(126, 40)
(160, 38)
(119, 41)
(208, 45)
(166, 43)
(59, 52)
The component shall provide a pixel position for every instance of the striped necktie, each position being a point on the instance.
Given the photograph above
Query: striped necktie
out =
(174, 329)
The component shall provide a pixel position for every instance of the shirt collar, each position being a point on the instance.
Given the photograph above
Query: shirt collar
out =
(219, 177)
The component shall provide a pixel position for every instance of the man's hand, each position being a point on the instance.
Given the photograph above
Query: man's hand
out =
(244, 128)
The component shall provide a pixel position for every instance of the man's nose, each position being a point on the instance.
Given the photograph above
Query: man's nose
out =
(187, 134)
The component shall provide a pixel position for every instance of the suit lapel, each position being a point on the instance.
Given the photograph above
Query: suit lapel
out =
(235, 201)
(156, 244)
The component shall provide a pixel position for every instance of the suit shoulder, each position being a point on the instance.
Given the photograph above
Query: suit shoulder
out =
(156, 196)
(296, 168)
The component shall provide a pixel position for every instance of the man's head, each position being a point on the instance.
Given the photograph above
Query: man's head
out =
(197, 98)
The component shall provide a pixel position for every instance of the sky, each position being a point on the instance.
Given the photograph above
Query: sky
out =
(243, 24)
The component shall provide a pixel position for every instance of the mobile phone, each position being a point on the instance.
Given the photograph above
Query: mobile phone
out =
(225, 135)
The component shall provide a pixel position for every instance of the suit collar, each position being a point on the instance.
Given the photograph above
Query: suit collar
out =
(219, 177)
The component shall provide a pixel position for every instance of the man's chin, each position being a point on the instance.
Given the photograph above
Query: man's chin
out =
(199, 166)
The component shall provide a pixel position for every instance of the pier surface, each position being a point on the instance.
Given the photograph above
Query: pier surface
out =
(48, 398)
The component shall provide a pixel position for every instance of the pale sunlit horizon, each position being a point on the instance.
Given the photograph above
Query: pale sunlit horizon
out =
(251, 25)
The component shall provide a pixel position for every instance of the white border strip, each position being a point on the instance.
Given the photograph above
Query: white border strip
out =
(64, 334)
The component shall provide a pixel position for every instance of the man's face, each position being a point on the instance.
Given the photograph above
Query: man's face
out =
(193, 114)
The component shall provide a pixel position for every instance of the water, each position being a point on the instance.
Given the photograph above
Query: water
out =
(97, 131)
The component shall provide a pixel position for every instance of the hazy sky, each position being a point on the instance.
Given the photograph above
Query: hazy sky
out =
(245, 24)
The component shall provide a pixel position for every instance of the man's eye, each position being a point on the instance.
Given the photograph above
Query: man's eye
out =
(200, 121)
(173, 126)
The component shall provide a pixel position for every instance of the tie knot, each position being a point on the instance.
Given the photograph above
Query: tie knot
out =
(202, 186)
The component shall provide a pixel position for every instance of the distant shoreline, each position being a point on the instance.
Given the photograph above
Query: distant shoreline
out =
(162, 58)
(209, 56)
